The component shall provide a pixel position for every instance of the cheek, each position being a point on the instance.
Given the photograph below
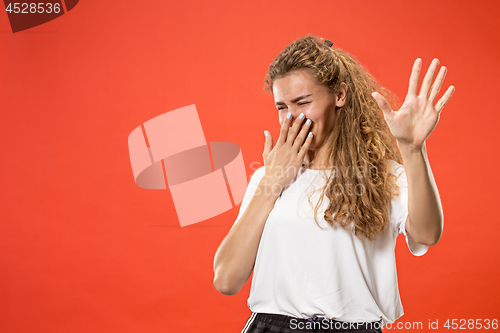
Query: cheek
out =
(315, 115)
(317, 122)
(320, 121)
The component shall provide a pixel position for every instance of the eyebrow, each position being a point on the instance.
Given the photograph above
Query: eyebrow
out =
(293, 100)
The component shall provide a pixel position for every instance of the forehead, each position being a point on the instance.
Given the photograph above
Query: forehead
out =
(295, 84)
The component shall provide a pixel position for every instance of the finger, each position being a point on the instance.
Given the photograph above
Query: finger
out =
(446, 97)
(415, 73)
(299, 140)
(292, 133)
(437, 84)
(268, 143)
(305, 146)
(284, 129)
(384, 105)
(429, 77)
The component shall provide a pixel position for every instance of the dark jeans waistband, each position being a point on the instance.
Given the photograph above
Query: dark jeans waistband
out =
(327, 325)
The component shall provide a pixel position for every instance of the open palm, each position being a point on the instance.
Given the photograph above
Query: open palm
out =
(418, 115)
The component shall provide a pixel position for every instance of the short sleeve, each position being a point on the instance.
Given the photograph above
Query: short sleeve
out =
(250, 191)
(401, 212)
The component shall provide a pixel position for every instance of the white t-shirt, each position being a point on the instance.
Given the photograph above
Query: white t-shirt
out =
(302, 270)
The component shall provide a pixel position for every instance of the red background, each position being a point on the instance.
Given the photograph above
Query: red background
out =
(83, 249)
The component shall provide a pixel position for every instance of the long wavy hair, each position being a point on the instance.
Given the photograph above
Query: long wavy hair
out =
(360, 143)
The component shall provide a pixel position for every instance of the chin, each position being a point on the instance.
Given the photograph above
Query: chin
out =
(315, 141)
(313, 146)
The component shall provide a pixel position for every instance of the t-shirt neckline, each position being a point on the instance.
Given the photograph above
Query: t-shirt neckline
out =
(316, 170)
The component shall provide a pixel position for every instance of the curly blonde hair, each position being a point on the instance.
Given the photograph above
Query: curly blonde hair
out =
(360, 138)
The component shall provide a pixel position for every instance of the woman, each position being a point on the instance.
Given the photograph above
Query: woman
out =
(333, 268)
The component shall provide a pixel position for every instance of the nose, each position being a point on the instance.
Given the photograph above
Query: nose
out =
(295, 113)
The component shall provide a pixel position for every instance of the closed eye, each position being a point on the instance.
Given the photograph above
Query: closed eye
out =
(281, 108)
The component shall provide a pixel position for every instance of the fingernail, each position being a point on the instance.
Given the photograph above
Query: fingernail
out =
(289, 115)
(310, 134)
(301, 116)
(265, 133)
(308, 121)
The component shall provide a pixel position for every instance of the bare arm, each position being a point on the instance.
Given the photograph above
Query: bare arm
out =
(411, 125)
(425, 214)
(235, 257)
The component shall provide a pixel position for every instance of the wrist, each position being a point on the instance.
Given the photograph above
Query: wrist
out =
(409, 150)
(269, 187)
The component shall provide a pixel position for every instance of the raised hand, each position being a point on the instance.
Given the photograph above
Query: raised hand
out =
(283, 161)
(418, 116)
